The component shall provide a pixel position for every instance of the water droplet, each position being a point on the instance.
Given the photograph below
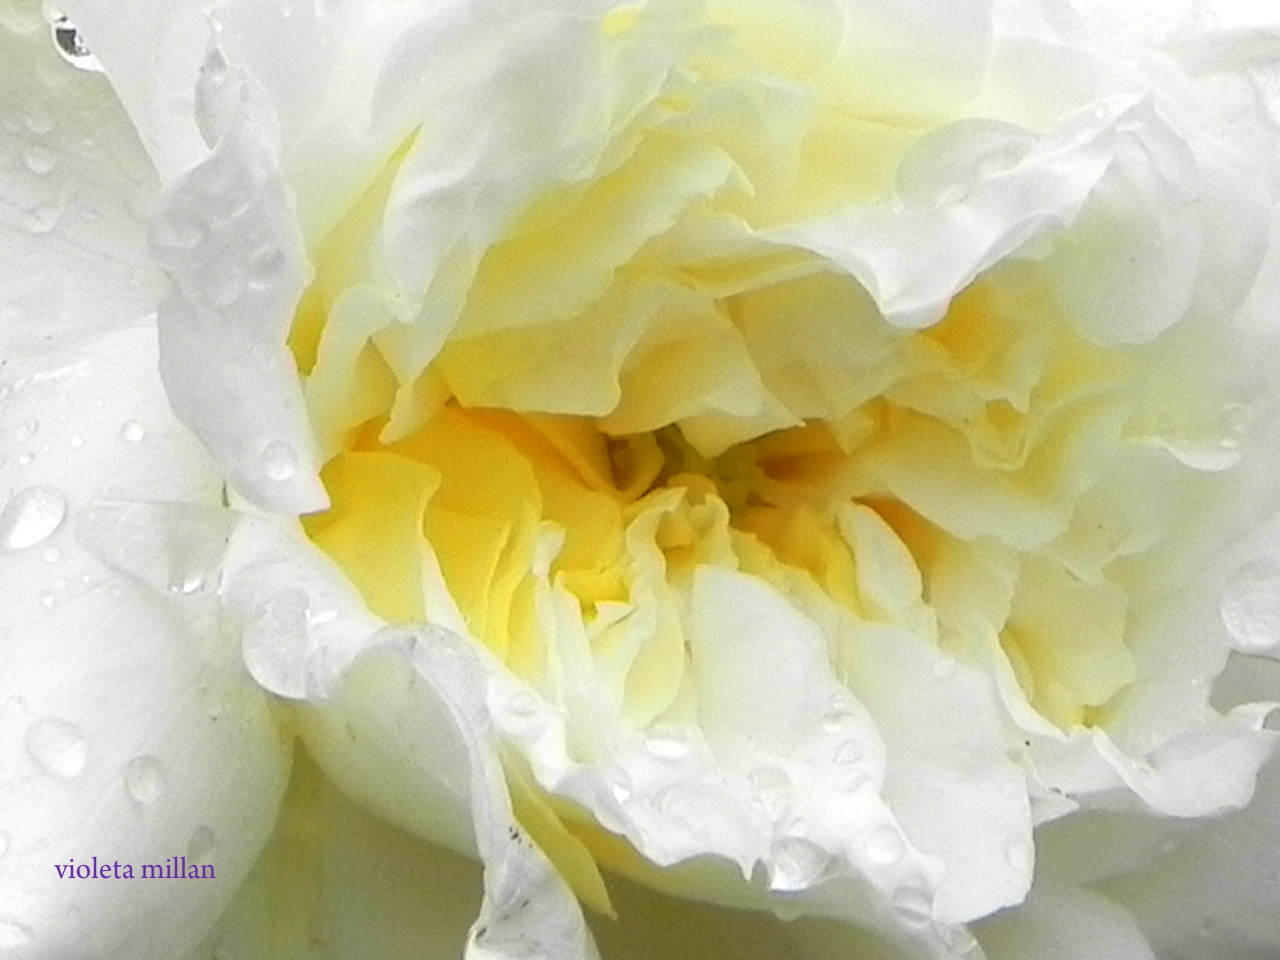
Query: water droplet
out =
(667, 747)
(145, 779)
(14, 934)
(26, 430)
(619, 784)
(1020, 854)
(51, 554)
(522, 705)
(884, 845)
(797, 864)
(914, 907)
(959, 939)
(773, 791)
(228, 291)
(38, 121)
(1251, 607)
(279, 461)
(31, 516)
(274, 645)
(264, 265)
(836, 720)
(944, 668)
(39, 159)
(47, 598)
(132, 431)
(58, 747)
(848, 753)
(66, 38)
(201, 844)
(177, 235)
(42, 218)
(76, 441)
(25, 459)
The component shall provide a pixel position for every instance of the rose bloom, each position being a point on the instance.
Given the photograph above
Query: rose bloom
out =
(572, 479)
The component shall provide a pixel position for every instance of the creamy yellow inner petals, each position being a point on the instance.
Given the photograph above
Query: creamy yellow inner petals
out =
(631, 382)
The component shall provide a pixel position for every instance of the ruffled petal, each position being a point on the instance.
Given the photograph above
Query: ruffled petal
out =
(228, 237)
(396, 717)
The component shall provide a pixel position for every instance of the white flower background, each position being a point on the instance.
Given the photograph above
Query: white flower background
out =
(187, 669)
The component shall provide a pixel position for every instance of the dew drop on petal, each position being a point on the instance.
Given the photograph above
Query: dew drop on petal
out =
(67, 40)
(39, 160)
(944, 668)
(797, 864)
(274, 644)
(913, 906)
(772, 787)
(31, 516)
(522, 705)
(884, 845)
(1251, 607)
(279, 461)
(132, 431)
(14, 934)
(76, 441)
(201, 844)
(47, 598)
(26, 430)
(1020, 854)
(667, 747)
(145, 779)
(57, 747)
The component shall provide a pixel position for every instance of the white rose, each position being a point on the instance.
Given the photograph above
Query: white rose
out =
(783, 454)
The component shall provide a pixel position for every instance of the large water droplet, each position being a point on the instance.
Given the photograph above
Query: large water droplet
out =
(1251, 607)
(14, 934)
(279, 461)
(57, 747)
(201, 844)
(884, 845)
(145, 779)
(67, 40)
(797, 864)
(274, 645)
(31, 516)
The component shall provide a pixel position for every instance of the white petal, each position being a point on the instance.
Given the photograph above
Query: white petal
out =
(91, 420)
(74, 187)
(129, 733)
(334, 881)
(1064, 923)
(1214, 894)
(151, 51)
(228, 236)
